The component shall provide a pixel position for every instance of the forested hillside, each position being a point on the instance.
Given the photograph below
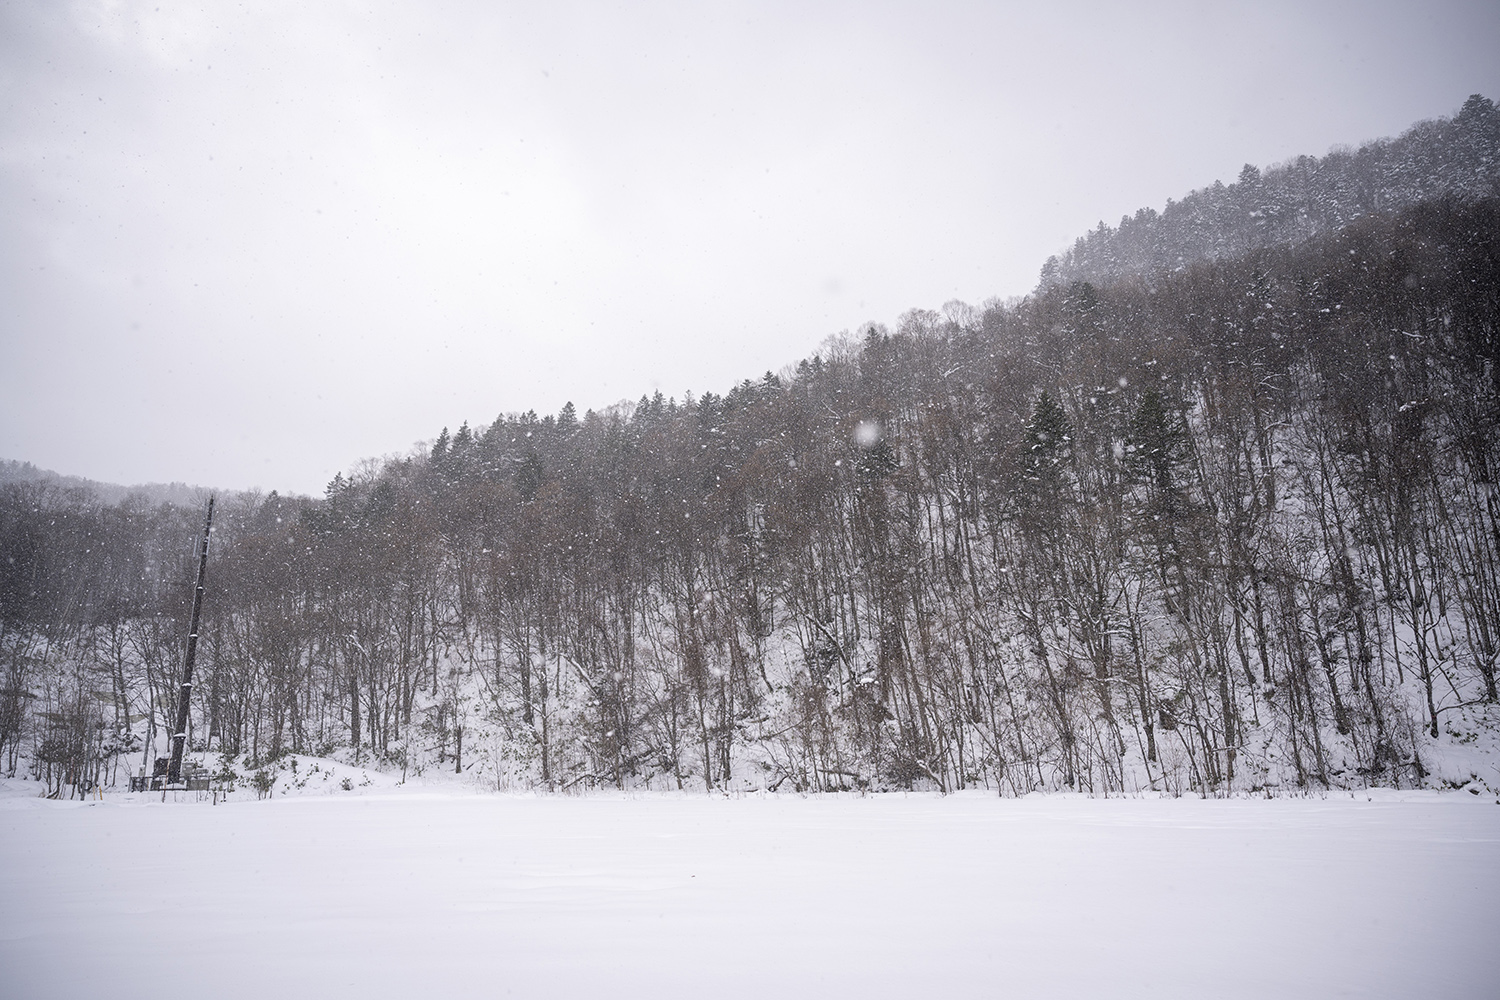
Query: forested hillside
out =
(109, 493)
(1225, 526)
(1287, 203)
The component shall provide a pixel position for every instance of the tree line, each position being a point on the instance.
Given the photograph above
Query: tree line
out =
(1289, 202)
(1227, 527)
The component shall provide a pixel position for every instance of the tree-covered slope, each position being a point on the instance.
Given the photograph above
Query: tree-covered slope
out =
(1234, 527)
(1288, 203)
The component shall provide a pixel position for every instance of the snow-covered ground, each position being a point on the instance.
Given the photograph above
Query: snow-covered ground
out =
(401, 893)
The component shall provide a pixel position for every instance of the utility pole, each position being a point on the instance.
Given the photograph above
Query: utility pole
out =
(179, 732)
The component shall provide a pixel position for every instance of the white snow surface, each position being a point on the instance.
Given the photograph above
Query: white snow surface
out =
(402, 893)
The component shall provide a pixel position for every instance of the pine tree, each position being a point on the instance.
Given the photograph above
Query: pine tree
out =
(1048, 447)
(1157, 448)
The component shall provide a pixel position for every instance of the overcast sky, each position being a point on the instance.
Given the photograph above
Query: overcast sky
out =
(250, 244)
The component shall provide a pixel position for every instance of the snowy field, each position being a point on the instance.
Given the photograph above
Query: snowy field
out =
(464, 895)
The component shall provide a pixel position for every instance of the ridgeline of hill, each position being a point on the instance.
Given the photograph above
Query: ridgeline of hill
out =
(1220, 520)
(179, 494)
(1286, 204)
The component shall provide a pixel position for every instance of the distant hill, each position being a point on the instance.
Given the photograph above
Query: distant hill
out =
(176, 494)
(1288, 203)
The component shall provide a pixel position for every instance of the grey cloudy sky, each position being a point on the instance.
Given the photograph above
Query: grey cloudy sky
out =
(250, 244)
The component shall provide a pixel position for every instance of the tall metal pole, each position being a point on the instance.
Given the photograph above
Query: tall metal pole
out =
(179, 732)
